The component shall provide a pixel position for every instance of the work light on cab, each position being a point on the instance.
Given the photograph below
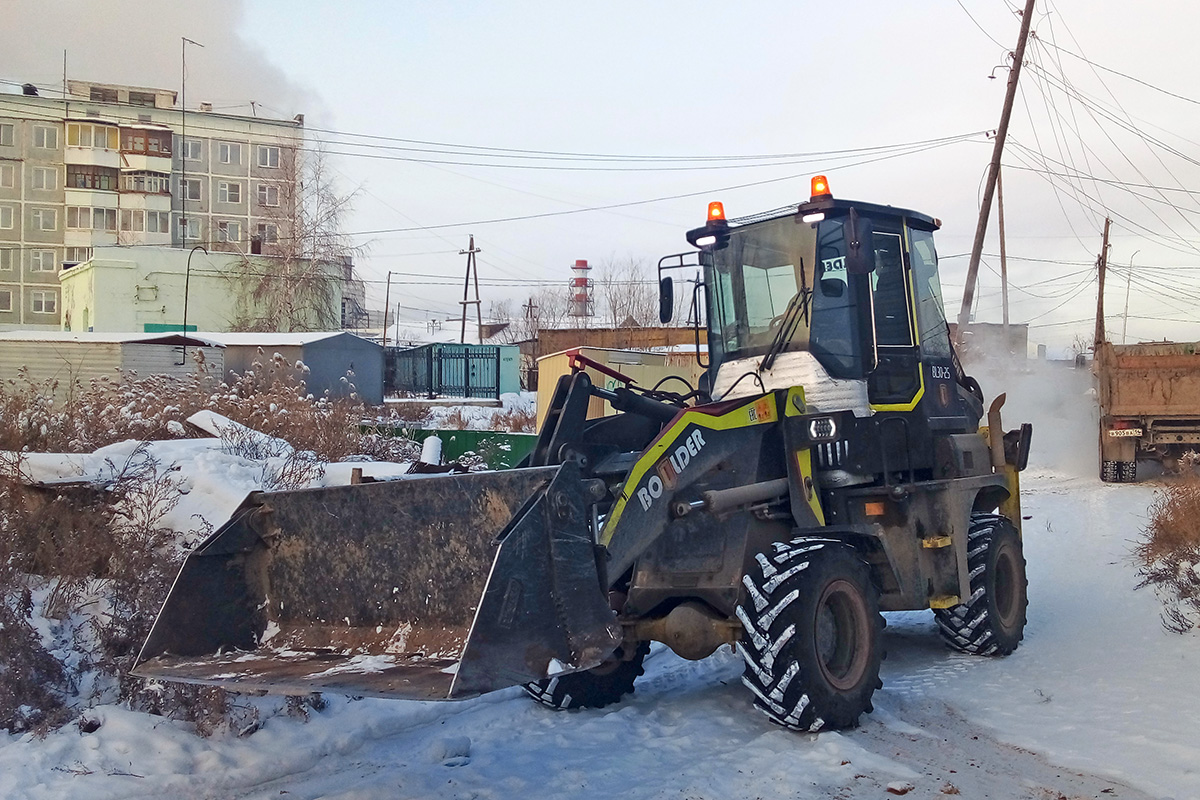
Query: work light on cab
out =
(715, 233)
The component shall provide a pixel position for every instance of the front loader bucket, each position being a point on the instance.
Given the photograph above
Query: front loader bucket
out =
(427, 588)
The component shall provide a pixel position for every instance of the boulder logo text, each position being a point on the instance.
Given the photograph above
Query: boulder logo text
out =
(667, 471)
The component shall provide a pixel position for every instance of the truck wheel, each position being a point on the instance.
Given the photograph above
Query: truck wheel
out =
(593, 688)
(811, 634)
(1109, 472)
(1127, 471)
(992, 621)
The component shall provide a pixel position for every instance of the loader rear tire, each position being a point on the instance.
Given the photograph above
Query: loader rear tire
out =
(992, 621)
(593, 688)
(811, 634)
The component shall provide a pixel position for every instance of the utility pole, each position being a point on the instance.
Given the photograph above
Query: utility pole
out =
(1128, 282)
(387, 304)
(985, 206)
(1101, 266)
(472, 269)
(1003, 253)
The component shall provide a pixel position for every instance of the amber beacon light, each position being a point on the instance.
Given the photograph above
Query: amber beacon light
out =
(820, 187)
(716, 210)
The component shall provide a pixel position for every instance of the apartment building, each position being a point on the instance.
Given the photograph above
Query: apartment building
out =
(105, 164)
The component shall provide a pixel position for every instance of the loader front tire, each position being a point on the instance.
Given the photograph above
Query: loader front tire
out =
(811, 634)
(992, 621)
(593, 688)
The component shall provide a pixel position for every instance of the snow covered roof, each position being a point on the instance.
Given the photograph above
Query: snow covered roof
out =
(170, 338)
(276, 339)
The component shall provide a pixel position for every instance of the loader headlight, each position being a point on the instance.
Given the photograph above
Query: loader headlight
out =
(822, 429)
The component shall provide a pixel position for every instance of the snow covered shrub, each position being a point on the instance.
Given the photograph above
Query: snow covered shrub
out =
(33, 684)
(1169, 554)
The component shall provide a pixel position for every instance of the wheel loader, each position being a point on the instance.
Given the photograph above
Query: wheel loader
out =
(830, 465)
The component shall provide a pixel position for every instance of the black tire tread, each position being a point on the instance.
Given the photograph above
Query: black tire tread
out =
(590, 688)
(968, 627)
(782, 689)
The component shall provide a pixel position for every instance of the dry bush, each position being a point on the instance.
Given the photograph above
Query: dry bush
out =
(516, 420)
(103, 553)
(1169, 554)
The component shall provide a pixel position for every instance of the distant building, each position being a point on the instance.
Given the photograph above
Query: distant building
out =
(152, 290)
(124, 165)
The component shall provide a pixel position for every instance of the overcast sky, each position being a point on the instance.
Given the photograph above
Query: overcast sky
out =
(692, 81)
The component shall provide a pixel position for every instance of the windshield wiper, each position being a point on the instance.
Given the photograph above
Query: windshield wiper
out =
(796, 312)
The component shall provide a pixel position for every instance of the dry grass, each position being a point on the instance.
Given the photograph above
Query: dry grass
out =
(1169, 554)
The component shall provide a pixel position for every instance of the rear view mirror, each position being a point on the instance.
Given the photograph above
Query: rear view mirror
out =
(666, 300)
(860, 244)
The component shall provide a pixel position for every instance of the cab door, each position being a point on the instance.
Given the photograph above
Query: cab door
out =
(895, 384)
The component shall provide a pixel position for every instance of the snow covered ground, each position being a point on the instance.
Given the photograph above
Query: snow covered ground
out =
(1099, 701)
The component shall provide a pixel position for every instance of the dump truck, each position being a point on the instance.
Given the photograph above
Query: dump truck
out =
(1149, 396)
(829, 465)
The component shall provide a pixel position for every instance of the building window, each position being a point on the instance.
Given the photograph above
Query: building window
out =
(193, 149)
(7, 258)
(268, 195)
(87, 176)
(5, 300)
(79, 218)
(268, 156)
(268, 233)
(158, 222)
(100, 94)
(77, 255)
(8, 175)
(229, 192)
(189, 228)
(229, 231)
(191, 189)
(85, 134)
(96, 219)
(45, 137)
(6, 218)
(7, 130)
(149, 142)
(151, 182)
(45, 178)
(133, 220)
(43, 219)
(145, 99)
(43, 303)
(229, 152)
(42, 261)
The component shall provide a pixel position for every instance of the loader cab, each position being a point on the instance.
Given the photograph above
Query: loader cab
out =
(856, 282)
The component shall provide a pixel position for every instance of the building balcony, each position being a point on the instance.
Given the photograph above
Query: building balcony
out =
(146, 200)
(145, 162)
(93, 156)
(92, 198)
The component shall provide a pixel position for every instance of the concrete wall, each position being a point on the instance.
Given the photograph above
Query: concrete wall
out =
(127, 289)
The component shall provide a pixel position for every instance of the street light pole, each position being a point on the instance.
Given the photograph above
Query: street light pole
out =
(1128, 280)
(187, 279)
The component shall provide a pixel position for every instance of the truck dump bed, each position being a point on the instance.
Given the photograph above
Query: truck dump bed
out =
(1149, 380)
